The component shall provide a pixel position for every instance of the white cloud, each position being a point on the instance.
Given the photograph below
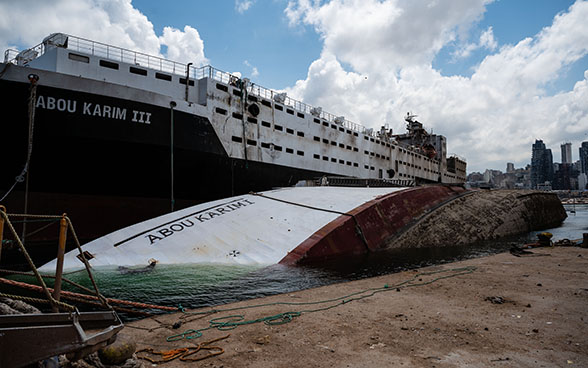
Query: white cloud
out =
(490, 118)
(241, 6)
(254, 71)
(486, 41)
(185, 46)
(114, 22)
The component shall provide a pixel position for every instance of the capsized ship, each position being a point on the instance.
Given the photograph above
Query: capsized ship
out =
(114, 137)
(289, 226)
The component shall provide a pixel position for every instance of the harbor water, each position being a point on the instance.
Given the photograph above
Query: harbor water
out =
(195, 286)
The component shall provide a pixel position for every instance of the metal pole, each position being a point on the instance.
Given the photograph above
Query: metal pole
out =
(60, 254)
(3, 210)
(171, 146)
(187, 79)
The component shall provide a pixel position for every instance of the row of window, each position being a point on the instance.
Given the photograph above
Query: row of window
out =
(237, 92)
(132, 69)
(418, 167)
(252, 142)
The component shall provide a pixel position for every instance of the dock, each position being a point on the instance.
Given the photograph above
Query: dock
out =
(504, 310)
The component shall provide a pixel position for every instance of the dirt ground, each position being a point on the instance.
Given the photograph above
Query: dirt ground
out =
(503, 311)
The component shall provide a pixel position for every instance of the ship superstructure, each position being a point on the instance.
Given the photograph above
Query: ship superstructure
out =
(116, 126)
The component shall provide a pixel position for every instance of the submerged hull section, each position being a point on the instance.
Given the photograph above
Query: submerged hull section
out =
(289, 226)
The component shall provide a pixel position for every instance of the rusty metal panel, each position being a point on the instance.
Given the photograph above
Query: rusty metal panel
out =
(28, 338)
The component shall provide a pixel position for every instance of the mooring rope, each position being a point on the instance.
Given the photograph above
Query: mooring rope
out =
(233, 321)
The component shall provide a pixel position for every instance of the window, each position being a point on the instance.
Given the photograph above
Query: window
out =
(289, 131)
(290, 111)
(266, 103)
(80, 58)
(236, 115)
(278, 127)
(162, 76)
(251, 120)
(333, 160)
(300, 153)
(237, 139)
(318, 139)
(236, 92)
(300, 115)
(108, 64)
(252, 98)
(325, 158)
(265, 145)
(251, 142)
(341, 145)
(300, 134)
(279, 107)
(326, 141)
(277, 148)
(316, 121)
(139, 71)
(316, 156)
(183, 81)
(222, 87)
(220, 111)
(266, 124)
(289, 150)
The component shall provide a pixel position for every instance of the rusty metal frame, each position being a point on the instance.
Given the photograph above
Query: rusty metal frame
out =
(29, 338)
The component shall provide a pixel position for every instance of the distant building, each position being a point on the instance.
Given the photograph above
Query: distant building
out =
(582, 181)
(584, 157)
(509, 167)
(565, 178)
(566, 153)
(541, 164)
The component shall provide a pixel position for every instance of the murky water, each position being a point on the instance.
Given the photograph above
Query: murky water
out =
(204, 285)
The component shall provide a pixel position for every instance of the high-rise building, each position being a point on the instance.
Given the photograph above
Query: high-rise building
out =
(566, 153)
(541, 164)
(510, 167)
(584, 157)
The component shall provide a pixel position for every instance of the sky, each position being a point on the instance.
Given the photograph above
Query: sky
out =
(491, 75)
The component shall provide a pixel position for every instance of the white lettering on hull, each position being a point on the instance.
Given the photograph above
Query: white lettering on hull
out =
(91, 109)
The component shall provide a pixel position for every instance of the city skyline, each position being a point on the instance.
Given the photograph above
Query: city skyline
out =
(574, 158)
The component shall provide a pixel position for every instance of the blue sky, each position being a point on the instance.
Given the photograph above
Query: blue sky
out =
(491, 75)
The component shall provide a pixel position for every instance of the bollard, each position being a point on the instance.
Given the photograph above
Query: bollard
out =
(60, 254)
(584, 241)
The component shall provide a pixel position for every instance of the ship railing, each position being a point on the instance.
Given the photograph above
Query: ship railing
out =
(255, 89)
(10, 55)
(159, 63)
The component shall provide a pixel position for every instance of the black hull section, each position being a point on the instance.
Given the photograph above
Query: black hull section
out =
(107, 170)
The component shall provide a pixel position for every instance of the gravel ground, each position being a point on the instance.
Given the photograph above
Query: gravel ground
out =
(529, 311)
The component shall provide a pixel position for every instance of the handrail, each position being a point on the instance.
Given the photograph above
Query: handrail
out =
(65, 225)
(159, 63)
